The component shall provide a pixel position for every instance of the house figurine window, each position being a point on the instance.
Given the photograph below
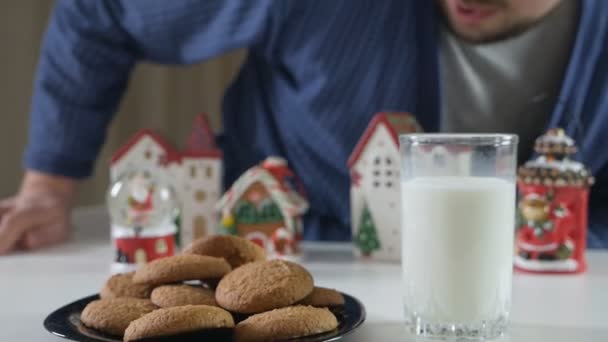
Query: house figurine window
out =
(383, 172)
(209, 172)
(200, 196)
(269, 211)
(248, 213)
(245, 212)
(200, 226)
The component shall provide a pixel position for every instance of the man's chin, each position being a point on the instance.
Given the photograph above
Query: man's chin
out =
(485, 36)
(475, 37)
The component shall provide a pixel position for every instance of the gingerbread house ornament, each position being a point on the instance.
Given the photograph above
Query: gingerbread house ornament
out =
(265, 205)
(553, 205)
(375, 187)
(194, 173)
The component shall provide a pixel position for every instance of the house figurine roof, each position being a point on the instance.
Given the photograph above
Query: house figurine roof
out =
(396, 123)
(200, 143)
(171, 154)
(271, 174)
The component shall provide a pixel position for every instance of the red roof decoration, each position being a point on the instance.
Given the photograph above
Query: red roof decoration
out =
(355, 178)
(201, 141)
(285, 177)
(201, 137)
(396, 123)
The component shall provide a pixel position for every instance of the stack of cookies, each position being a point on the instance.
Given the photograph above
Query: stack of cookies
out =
(215, 282)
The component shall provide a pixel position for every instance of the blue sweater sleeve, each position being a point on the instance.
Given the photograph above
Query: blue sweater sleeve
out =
(89, 50)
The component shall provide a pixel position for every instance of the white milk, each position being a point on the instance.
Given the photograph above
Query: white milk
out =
(457, 248)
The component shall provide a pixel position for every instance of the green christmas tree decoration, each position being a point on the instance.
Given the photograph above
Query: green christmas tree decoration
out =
(367, 237)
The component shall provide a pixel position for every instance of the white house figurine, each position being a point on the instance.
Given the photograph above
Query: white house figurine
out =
(194, 173)
(375, 187)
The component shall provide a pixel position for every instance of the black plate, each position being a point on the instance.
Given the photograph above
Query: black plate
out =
(65, 322)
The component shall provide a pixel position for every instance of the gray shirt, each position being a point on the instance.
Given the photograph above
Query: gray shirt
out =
(509, 86)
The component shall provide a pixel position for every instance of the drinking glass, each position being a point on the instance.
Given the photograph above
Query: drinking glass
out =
(458, 198)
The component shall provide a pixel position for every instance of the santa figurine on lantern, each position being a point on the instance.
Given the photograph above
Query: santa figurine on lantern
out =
(553, 205)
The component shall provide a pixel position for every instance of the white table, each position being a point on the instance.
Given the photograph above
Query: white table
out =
(545, 308)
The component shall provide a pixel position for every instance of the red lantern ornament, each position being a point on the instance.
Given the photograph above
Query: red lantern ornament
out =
(553, 208)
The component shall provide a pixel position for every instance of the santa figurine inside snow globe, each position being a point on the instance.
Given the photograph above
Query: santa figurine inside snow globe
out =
(553, 206)
(142, 210)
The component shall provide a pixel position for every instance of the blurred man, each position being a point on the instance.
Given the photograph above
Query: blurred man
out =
(316, 73)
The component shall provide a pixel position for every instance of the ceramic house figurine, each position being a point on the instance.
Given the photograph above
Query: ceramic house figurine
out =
(553, 203)
(375, 187)
(265, 205)
(194, 173)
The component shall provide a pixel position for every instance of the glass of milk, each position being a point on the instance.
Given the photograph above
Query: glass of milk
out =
(458, 198)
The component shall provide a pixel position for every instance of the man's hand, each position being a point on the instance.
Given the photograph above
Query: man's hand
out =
(39, 215)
